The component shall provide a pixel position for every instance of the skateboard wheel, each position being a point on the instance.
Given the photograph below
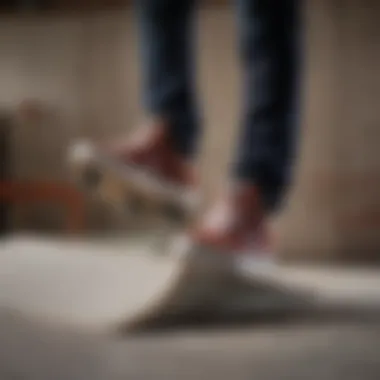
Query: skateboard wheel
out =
(91, 177)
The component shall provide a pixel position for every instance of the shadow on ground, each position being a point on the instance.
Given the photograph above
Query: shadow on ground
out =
(308, 348)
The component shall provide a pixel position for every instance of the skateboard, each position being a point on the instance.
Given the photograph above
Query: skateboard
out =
(130, 189)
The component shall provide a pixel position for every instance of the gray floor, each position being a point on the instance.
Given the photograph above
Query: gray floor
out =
(329, 350)
(334, 351)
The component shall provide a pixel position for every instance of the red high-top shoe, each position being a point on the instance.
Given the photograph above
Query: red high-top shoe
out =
(236, 222)
(231, 238)
(152, 149)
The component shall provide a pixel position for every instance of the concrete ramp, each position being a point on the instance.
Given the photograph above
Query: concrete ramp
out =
(80, 284)
(100, 286)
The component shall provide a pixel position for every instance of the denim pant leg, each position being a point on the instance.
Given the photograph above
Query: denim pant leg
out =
(269, 49)
(167, 57)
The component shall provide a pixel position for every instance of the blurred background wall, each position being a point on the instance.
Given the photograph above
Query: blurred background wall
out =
(72, 71)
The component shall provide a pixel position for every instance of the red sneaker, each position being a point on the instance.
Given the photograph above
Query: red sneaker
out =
(151, 149)
(233, 235)
(147, 164)
(236, 222)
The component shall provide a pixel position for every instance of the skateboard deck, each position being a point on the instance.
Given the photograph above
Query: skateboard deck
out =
(98, 287)
(130, 189)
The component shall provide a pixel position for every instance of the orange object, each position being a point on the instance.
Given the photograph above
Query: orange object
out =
(29, 191)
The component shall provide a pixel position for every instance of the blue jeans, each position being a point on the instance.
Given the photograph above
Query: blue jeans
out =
(269, 33)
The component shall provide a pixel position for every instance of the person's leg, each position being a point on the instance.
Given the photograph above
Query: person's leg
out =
(269, 31)
(166, 46)
(165, 144)
(269, 50)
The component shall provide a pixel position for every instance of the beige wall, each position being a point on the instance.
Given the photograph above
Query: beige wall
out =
(335, 205)
(84, 71)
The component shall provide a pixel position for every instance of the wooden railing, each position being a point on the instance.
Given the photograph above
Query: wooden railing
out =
(23, 192)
